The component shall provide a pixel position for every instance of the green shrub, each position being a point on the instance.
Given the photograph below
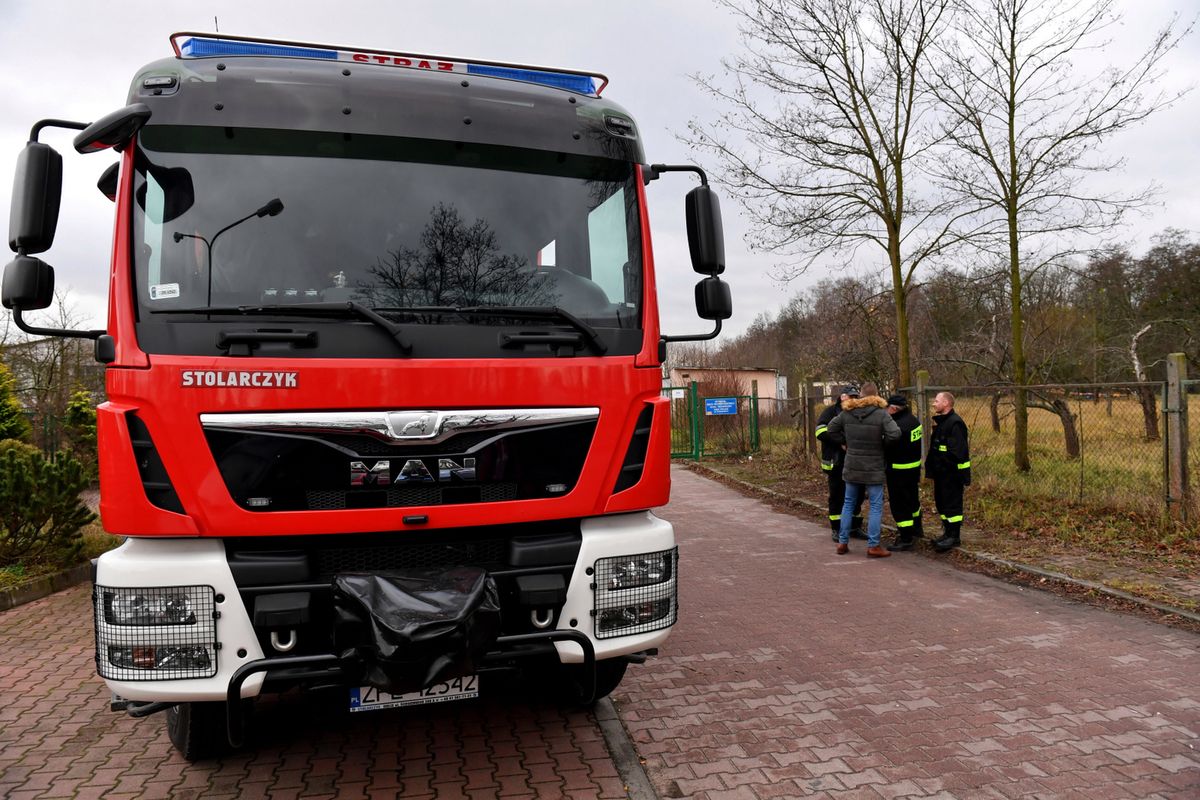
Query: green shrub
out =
(41, 516)
(79, 425)
(13, 423)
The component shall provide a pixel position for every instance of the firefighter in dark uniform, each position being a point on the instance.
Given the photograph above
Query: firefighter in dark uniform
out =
(832, 457)
(949, 465)
(904, 475)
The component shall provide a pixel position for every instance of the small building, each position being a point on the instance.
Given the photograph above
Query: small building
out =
(731, 380)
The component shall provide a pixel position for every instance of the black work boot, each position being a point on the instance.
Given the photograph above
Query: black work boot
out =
(950, 540)
(904, 543)
(918, 531)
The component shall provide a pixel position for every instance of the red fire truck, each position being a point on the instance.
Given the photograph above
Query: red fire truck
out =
(383, 375)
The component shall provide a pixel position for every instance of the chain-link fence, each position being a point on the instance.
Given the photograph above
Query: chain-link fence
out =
(1099, 445)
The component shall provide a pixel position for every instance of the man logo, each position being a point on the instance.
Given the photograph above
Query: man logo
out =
(413, 471)
(380, 474)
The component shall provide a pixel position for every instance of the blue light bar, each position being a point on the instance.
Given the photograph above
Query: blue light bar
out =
(200, 48)
(559, 80)
(204, 45)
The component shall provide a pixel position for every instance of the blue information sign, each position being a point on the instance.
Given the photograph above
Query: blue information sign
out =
(716, 406)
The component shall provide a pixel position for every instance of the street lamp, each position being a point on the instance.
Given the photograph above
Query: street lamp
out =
(272, 208)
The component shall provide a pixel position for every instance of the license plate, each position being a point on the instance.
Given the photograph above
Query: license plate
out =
(368, 698)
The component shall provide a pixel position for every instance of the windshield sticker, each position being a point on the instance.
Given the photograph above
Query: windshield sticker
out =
(164, 291)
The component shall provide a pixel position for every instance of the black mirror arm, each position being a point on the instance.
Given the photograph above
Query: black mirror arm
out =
(652, 172)
(17, 318)
(55, 123)
(696, 337)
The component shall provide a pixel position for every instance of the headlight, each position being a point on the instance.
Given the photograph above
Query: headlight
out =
(641, 570)
(636, 593)
(195, 658)
(628, 616)
(155, 633)
(148, 607)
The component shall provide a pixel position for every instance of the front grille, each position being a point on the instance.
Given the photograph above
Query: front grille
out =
(370, 446)
(486, 553)
(407, 496)
(266, 471)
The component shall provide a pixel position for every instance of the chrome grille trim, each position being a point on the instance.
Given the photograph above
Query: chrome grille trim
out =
(398, 427)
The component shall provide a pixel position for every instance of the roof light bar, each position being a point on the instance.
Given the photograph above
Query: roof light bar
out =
(206, 45)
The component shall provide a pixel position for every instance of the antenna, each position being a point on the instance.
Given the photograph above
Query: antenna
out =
(216, 27)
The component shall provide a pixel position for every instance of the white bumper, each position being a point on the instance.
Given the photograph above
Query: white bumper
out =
(144, 563)
(624, 534)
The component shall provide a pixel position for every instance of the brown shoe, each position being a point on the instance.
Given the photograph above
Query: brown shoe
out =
(877, 552)
(842, 549)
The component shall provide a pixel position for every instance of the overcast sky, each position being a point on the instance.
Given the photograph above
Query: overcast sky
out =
(74, 60)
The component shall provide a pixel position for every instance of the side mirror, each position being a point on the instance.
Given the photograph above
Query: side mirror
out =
(28, 284)
(108, 181)
(37, 194)
(179, 194)
(112, 130)
(713, 300)
(706, 237)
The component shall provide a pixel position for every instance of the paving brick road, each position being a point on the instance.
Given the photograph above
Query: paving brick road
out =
(793, 672)
(796, 672)
(58, 738)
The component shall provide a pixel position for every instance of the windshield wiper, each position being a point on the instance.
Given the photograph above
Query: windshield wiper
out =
(512, 312)
(347, 309)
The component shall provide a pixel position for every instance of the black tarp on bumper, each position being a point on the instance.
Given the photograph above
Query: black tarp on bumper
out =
(413, 628)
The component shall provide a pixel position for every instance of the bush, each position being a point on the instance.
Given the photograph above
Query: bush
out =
(41, 516)
(13, 424)
(79, 425)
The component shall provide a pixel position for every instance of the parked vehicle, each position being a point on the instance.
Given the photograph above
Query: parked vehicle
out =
(383, 374)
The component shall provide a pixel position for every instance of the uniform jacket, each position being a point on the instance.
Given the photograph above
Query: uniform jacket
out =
(904, 455)
(949, 454)
(863, 426)
(831, 451)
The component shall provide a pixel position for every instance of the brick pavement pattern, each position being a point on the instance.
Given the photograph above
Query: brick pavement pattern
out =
(58, 738)
(795, 672)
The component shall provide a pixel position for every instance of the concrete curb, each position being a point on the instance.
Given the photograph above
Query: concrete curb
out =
(44, 586)
(974, 554)
(623, 752)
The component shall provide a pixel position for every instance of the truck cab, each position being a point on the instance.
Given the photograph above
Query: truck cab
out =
(383, 379)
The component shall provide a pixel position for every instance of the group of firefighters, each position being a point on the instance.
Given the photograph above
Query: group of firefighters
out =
(948, 465)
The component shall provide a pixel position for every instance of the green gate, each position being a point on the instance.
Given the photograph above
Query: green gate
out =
(711, 426)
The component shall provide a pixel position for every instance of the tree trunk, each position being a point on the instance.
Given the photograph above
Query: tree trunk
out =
(994, 407)
(1012, 201)
(1070, 432)
(1149, 403)
(1021, 399)
(900, 296)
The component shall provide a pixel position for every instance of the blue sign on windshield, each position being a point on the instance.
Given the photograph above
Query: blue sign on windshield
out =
(716, 406)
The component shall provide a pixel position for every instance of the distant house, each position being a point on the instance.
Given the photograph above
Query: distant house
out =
(771, 385)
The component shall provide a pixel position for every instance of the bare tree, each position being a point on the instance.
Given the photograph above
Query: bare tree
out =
(825, 134)
(1027, 133)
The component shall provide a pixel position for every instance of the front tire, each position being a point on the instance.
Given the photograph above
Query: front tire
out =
(199, 730)
(574, 684)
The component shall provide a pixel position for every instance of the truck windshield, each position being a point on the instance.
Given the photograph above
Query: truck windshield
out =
(231, 217)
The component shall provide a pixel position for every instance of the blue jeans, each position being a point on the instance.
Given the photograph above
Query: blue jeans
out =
(874, 521)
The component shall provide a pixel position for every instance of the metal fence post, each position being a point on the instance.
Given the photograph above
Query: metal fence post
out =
(1179, 494)
(697, 423)
(803, 413)
(754, 440)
